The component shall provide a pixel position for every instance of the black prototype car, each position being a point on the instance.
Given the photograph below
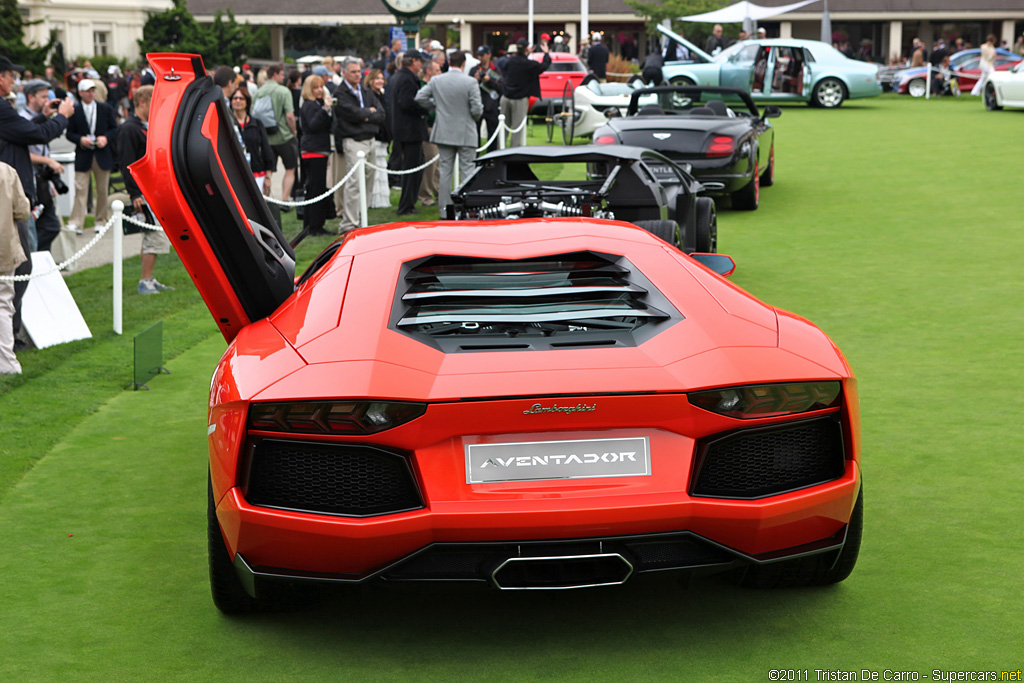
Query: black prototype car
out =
(632, 184)
(717, 131)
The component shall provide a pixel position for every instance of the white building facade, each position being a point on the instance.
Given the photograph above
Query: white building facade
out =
(88, 27)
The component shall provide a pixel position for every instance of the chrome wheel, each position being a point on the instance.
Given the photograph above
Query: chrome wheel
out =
(917, 88)
(829, 93)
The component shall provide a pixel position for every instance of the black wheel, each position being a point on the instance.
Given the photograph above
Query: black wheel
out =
(228, 594)
(990, 98)
(567, 116)
(748, 197)
(666, 230)
(917, 88)
(815, 570)
(829, 93)
(768, 177)
(707, 226)
(549, 122)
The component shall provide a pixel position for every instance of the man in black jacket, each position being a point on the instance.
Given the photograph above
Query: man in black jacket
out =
(597, 58)
(358, 117)
(15, 135)
(522, 80)
(131, 146)
(409, 127)
(91, 129)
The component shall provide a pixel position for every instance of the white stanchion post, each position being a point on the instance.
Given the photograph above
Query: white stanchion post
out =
(455, 173)
(361, 179)
(118, 229)
(928, 82)
(502, 128)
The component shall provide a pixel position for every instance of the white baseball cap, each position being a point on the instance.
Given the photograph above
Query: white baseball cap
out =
(435, 45)
(86, 84)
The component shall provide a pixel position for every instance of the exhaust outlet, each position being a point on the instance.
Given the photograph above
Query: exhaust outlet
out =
(562, 572)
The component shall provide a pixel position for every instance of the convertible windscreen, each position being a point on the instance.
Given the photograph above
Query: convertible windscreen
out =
(562, 301)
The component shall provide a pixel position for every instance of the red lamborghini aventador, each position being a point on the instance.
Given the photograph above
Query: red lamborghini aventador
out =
(534, 404)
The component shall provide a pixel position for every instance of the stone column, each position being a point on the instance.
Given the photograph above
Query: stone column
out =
(895, 40)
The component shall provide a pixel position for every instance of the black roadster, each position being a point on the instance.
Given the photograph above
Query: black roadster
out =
(618, 182)
(729, 145)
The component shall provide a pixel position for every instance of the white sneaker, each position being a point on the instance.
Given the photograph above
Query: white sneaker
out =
(78, 230)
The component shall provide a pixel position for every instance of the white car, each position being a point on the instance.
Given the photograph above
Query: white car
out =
(592, 104)
(1005, 88)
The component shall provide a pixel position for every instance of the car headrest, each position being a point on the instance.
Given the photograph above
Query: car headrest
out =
(651, 110)
(702, 111)
(719, 107)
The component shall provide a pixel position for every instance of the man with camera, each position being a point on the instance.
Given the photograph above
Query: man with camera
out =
(91, 129)
(491, 90)
(47, 170)
(16, 134)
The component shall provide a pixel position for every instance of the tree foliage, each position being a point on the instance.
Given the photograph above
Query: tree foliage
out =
(12, 39)
(656, 11)
(225, 41)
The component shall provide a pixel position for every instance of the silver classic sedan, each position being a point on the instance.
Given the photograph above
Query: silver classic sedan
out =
(779, 70)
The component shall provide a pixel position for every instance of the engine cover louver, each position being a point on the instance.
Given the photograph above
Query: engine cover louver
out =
(560, 301)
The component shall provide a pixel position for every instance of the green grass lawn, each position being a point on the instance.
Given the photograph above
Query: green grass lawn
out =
(895, 224)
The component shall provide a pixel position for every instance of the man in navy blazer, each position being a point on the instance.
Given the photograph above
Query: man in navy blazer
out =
(91, 129)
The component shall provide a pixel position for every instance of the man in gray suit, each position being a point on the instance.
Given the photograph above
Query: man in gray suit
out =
(456, 97)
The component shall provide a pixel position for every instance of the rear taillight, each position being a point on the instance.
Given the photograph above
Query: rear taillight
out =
(605, 140)
(768, 400)
(720, 146)
(332, 417)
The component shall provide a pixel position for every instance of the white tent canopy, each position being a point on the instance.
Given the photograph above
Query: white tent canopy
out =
(744, 12)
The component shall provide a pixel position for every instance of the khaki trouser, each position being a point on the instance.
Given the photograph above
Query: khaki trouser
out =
(350, 217)
(335, 173)
(431, 175)
(515, 113)
(100, 204)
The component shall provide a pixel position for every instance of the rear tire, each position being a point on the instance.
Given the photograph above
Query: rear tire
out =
(228, 594)
(681, 80)
(707, 226)
(991, 103)
(666, 230)
(829, 93)
(748, 198)
(815, 570)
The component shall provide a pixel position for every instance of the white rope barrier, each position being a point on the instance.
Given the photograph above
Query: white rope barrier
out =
(64, 264)
(407, 171)
(314, 200)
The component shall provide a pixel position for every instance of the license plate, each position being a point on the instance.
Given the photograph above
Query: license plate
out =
(576, 459)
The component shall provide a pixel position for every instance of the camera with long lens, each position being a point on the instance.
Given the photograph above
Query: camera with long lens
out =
(47, 174)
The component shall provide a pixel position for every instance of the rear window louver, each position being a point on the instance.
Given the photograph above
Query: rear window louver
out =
(562, 301)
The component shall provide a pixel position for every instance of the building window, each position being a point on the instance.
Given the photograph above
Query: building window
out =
(100, 42)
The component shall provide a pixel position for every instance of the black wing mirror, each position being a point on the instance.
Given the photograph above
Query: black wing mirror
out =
(772, 112)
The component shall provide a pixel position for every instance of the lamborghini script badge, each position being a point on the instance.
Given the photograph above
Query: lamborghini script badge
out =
(555, 408)
(663, 136)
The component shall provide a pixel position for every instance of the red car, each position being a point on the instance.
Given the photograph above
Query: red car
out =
(565, 69)
(530, 404)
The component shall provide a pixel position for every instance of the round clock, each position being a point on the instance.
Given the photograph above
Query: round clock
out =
(409, 8)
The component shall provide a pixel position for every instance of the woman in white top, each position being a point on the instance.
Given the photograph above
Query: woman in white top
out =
(988, 64)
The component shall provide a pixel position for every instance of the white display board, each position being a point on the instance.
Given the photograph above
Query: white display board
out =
(48, 312)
